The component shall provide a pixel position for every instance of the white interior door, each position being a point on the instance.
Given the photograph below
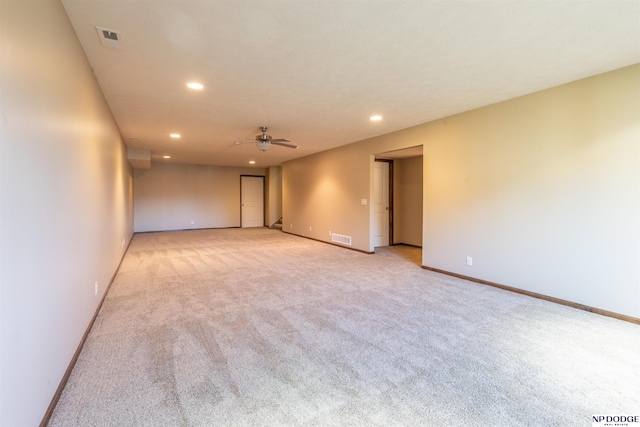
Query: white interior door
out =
(380, 205)
(252, 201)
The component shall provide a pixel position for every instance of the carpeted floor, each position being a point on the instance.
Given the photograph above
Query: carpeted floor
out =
(254, 327)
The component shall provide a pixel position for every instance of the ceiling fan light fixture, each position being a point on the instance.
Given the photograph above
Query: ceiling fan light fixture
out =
(263, 146)
(264, 141)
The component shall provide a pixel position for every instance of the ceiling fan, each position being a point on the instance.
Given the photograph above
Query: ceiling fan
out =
(264, 141)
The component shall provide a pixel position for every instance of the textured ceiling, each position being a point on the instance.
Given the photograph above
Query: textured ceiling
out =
(314, 71)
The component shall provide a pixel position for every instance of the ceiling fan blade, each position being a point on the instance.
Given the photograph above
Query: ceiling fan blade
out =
(243, 141)
(279, 140)
(282, 144)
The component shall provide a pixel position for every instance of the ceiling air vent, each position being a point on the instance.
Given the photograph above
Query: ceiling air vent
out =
(109, 38)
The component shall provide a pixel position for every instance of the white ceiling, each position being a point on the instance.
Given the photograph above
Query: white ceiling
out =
(314, 71)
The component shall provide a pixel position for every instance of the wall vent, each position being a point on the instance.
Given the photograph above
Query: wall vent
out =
(109, 38)
(340, 238)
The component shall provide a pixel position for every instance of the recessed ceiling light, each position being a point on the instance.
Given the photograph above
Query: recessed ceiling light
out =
(175, 135)
(166, 157)
(252, 162)
(194, 85)
(375, 118)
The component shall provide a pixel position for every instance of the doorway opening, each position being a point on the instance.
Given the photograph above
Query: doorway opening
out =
(405, 198)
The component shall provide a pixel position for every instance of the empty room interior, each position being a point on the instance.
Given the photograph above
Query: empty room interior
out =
(311, 213)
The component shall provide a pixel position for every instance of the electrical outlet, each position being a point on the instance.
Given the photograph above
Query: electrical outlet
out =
(95, 290)
(291, 226)
(191, 222)
(330, 233)
(469, 261)
(309, 228)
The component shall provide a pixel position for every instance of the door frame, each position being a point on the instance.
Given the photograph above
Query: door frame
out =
(263, 193)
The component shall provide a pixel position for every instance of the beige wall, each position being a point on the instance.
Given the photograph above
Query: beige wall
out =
(407, 205)
(66, 204)
(180, 197)
(273, 198)
(542, 191)
(323, 192)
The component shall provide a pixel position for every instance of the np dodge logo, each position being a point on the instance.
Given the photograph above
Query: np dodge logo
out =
(615, 420)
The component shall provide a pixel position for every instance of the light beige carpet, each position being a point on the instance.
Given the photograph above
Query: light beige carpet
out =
(254, 327)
